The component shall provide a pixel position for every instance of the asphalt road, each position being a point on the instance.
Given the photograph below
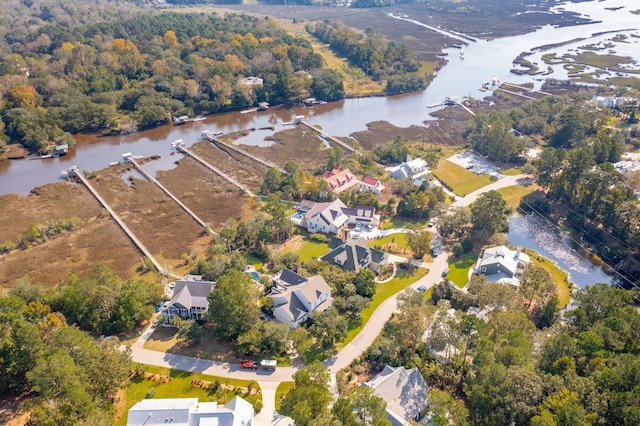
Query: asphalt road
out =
(269, 380)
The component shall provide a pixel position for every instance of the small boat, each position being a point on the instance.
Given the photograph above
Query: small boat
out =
(195, 120)
(114, 163)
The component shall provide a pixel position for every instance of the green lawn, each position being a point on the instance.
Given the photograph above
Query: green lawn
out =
(306, 249)
(383, 292)
(560, 277)
(513, 194)
(514, 171)
(400, 239)
(459, 270)
(178, 387)
(460, 180)
(281, 392)
(399, 222)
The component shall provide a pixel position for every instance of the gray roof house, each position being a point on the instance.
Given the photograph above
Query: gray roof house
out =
(416, 169)
(351, 255)
(502, 264)
(295, 297)
(190, 412)
(190, 299)
(404, 391)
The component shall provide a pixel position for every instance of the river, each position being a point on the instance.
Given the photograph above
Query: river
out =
(534, 232)
(483, 61)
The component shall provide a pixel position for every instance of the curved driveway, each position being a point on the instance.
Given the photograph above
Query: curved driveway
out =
(269, 381)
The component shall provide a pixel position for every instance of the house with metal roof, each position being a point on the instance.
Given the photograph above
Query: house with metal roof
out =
(369, 183)
(502, 264)
(416, 169)
(190, 299)
(352, 255)
(190, 412)
(295, 298)
(405, 393)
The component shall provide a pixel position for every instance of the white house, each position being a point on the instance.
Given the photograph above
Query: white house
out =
(404, 391)
(252, 81)
(190, 299)
(372, 184)
(190, 412)
(295, 297)
(416, 169)
(331, 217)
(502, 264)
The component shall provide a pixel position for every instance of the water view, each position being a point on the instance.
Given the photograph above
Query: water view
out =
(483, 61)
(534, 232)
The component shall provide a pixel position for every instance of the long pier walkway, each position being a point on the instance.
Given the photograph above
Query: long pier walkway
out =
(161, 269)
(515, 93)
(525, 88)
(465, 108)
(195, 217)
(180, 147)
(329, 137)
(222, 145)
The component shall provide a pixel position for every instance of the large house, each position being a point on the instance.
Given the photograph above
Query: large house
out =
(502, 264)
(190, 299)
(339, 180)
(369, 183)
(352, 255)
(416, 169)
(405, 393)
(332, 216)
(190, 412)
(295, 297)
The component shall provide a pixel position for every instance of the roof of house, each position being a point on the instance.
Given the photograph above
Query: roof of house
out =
(352, 254)
(188, 293)
(337, 178)
(190, 412)
(369, 180)
(412, 168)
(365, 212)
(404, 391)
(288, 293)
(503, 256)
(329, 212)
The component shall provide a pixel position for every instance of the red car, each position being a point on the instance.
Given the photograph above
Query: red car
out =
(252, 365)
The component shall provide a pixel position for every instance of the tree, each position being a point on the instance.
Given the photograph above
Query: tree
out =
(419, 242)
(188, 331)
(365, 283)
(328, 328)
(310, 396)
(536, 283)
(361, 407)
(488, 215)
(272, 181)
(233, 307)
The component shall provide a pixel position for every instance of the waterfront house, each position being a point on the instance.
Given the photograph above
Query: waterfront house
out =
(295, 298)
(405, 393)
(190, 412)
(352, 255)
(502, 264)
(190, 299)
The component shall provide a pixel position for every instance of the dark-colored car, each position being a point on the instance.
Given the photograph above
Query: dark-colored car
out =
(422, 288)
(247, 363)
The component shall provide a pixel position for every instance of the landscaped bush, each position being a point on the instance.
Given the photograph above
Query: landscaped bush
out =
(321, 238)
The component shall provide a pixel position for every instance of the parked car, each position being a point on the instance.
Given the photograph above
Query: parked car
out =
(445, 272)
(248, 364)
(422, 288)
(269, 364)
(358, 226)
(431, 223)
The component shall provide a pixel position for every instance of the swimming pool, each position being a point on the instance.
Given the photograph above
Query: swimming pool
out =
(256, 276)
(298, 214)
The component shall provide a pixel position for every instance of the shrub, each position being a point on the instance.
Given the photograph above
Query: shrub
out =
(257, 405)
(321, 238)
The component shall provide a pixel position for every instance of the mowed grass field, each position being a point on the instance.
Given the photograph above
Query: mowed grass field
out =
(513, 194)
(460, 180)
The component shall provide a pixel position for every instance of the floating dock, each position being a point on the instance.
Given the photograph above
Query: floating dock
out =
(75, 171)
(147, 175)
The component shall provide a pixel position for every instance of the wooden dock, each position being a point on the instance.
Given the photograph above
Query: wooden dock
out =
(74, 171)
(217, 171)
(147, 175)
(516, 94)
(222, 145)
(329, 137)
(526, 88)
(465, 108)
